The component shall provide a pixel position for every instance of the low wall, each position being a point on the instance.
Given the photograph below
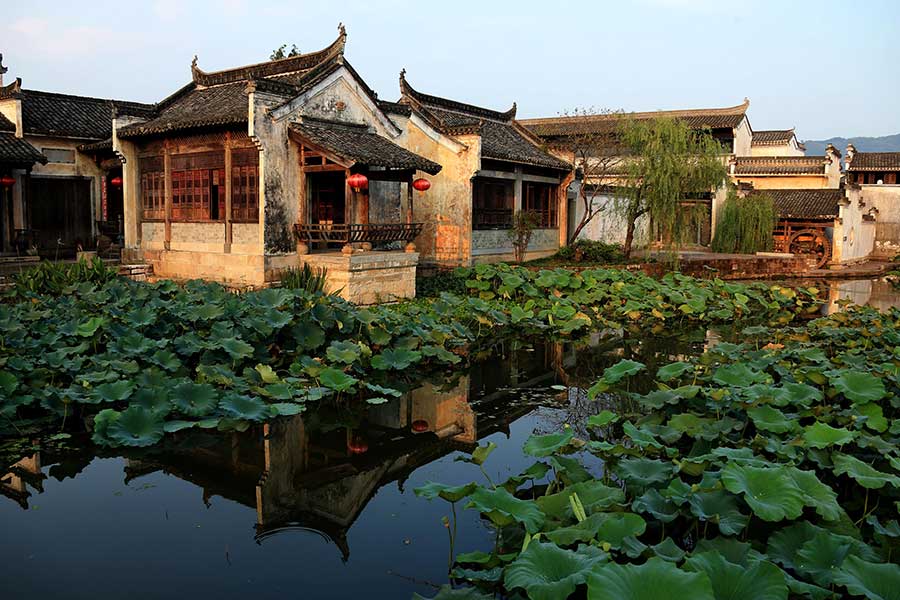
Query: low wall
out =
(368, 277)
(236, 269)
(744, 266)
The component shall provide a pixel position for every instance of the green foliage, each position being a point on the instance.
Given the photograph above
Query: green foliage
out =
(591, 251)
(524, 223)
(744, 225)
(765, 479)
(667, 162)
(283, 51)
(305, 277)
(55, 278)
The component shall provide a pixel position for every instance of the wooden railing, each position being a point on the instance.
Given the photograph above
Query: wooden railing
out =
(373, 233)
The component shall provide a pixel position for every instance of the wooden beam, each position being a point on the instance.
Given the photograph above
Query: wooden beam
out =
(323, 168)
(167, 170)
(229, 190)
(409, 201)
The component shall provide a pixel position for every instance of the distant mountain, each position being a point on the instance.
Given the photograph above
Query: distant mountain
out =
(885, 143)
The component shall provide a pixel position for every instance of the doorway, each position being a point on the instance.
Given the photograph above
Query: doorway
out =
(328, 203)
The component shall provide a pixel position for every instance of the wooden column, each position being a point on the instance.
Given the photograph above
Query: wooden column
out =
(409, 199)
(228, 192)
(348, 199)
(167, 168)
(517, 190)
(303, 200)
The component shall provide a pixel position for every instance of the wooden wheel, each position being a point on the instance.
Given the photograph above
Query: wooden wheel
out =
(811, 243)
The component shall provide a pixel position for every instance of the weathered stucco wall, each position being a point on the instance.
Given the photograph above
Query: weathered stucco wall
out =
(446, 208)
(854, 235)
(496, 246)
(885, 198)
(791, 149)
(761, 182)
(743, 138)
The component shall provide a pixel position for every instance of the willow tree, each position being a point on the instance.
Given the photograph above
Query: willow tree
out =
(745, 223)
(666, 163)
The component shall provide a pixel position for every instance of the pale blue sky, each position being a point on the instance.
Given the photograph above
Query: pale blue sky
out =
(827, 67)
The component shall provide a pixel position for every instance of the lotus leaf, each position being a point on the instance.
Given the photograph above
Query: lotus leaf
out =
(503, 508)
(760, 581)
(668, 551)
(877, 581)
(569, 470)
(336, 380)
(90, 327)
(116, 391)
(721, 508)
(874, 414)
(673, 371)
(654, 580)
(766, 418)
(545, 445)
(195, 399)
(136, 426)
(738, 375)
(817, 494)
(343, 352)
(398, 359)
(547, 572)
(864, 474)
(859, 387)
(623, 368)
(656, 505)
(602, 419)
(820, 557)
(770, 492)
(432, 490)
(244, 407)
(175, 426)
(236, 348)
(448, 593)
(594, 495)
(644, 472)
(821, 435)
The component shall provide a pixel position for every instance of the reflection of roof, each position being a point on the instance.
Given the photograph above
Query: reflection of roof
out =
(700, 118)
(16, 151)
(772, 137)
(779, 165)
(804, 203)
(219, 98)
(502, 137)
(875, 161)
(356, 143)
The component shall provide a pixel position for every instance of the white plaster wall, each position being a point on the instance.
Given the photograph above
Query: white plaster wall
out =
(609, 225)
(854, 237)
(886, 198)
(743, 136)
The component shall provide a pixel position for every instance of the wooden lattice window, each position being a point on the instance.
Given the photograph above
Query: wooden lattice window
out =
(245, 185)
(153, 188)
(492, 203)
(198, 186)
(540, 199)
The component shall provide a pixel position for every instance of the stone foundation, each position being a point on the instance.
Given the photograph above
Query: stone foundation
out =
(368, 277)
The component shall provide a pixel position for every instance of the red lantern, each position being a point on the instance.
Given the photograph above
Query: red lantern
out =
(116, 181)
(421, 185)
(420, 426)
(7, 181)
(358, 182)
(357, 444)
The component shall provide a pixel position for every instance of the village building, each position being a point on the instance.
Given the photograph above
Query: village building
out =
(730, 126)
(776, 142)
(873, 181)
(244, 173)
(793, 171)
(493, 168)
(63, 189)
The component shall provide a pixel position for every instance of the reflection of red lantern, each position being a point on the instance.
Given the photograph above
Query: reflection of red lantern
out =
(420, 426)
(357, 444)
(358, 182)
(116, 181)
(421, 185)
(7, 181)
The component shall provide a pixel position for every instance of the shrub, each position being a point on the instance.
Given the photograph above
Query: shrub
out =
(592, 251)
(452, 281)
(55, 278)
(311, 279)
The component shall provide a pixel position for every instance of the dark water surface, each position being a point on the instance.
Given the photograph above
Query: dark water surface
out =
(289, 509)
(320, 505)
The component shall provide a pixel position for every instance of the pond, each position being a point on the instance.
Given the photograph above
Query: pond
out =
(289, 506)
(320, 504)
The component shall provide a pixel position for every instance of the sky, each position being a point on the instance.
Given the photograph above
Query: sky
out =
(826, 67)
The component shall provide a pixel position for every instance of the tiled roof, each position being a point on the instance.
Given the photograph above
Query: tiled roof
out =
(875, 161)
(96, 146)
(219, 99)
(502, 137)
(772, 137)
(358, 144)
(701, 118)
(779, 165)
(16, 151)
(6, 124)
(64, 115)
(804, 203)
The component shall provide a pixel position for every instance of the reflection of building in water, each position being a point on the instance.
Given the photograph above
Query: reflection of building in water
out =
(877, 293)
(317, 472)
(24, 473)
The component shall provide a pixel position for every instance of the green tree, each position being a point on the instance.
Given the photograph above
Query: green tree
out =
(283, 52)
(665, 162)
(745, 224)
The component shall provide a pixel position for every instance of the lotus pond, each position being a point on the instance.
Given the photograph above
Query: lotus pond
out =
(546, 435)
